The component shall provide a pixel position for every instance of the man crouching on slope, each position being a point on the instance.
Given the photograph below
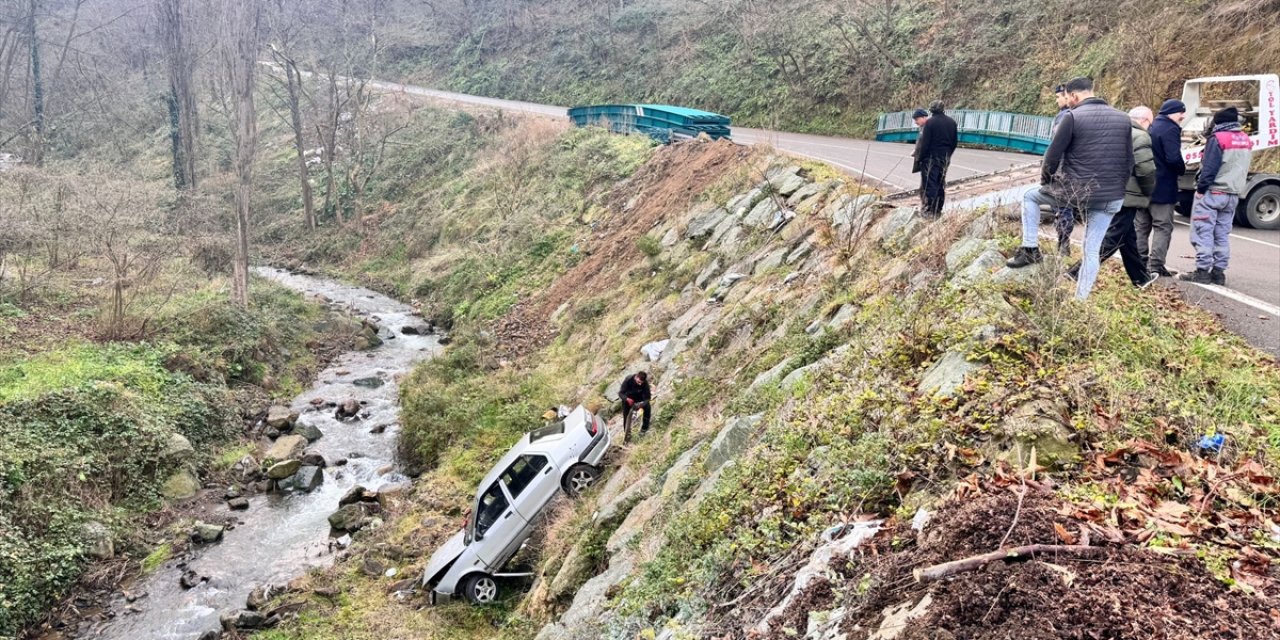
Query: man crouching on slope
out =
(1224, 172)
(634, 394)
(1086, 167)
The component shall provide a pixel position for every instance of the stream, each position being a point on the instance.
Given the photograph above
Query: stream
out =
(281, 536)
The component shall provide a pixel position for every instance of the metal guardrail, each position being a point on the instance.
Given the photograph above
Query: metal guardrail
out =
(1016, 131)
(661, 122)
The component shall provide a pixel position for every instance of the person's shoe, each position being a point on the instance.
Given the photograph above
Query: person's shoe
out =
(1064, 247)
(1073, 273)
(1026, 256)
(1218, 276)
(1164, 273)
(1151, 279)
(1199, 276)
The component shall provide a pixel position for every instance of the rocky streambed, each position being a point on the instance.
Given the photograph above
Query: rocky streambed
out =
(333, 441)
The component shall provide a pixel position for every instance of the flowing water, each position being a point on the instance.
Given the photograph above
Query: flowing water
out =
(281, 536)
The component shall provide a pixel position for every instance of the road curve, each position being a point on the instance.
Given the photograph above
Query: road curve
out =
(1249, 304)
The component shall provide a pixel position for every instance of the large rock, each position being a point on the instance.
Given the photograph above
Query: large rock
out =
(282, 470)
(280, 417)
(96, 539)
(181, 485)
(722, 229)
(705, 277)
(762, 214)
(285, 448)
(704, 223)
(351, 517)
(635, 521)
(743, 203)
(785, 180)
(770, 376)
(981, 269)
(206, 533)
(1026, 276)
(808, 191)
(900, 226)
(843, 315)
(731, 441)
(1039, 425)
(679, 470)
(308, 431)
(772, 260)
(620, 500)
(947, 374)
(307, 478)
(965, 249)
(357, 494)
(178, 449)
(732, 241)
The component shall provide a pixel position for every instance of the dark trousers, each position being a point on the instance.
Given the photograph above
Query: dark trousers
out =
(1064, 222)
(933, 184)
(643, 408)
(1122, 238)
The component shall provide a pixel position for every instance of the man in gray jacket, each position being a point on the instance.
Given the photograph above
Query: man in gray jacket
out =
(1224, 171)
(1121, 235)
(1086, 167)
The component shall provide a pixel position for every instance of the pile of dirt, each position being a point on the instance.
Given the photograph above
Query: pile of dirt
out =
(1113, 592)
(669, 183)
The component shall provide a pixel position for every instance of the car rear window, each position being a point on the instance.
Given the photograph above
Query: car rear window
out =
(492, 505)
(522, 472)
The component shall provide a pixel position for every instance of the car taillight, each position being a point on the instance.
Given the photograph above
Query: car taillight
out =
(592, 426)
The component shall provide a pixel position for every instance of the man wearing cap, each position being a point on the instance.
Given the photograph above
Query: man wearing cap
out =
(1087, 166)
(938, 140)
(1224, 171)
(1157, 221)
(919, 117)
(1064, 218)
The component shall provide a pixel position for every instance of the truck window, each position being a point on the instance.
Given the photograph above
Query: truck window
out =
(492, 505)
(522, 472)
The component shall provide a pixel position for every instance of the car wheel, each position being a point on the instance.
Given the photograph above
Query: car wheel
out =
(480, 588)
(579, 479)
(1262, 208)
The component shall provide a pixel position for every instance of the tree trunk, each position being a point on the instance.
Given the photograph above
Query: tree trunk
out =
(37, 88)
(294, 78)
(241, 58)
(183, 113)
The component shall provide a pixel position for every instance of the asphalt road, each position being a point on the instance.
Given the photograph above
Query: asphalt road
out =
(1249, 304)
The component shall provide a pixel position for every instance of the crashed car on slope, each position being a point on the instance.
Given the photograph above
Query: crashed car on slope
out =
(564, 455)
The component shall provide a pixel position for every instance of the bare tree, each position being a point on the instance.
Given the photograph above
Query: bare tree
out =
(240, 60)
(183, 111)
(37, 86)
(294, 93)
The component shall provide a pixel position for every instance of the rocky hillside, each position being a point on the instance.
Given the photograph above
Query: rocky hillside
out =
(831, 65)
(849, 398)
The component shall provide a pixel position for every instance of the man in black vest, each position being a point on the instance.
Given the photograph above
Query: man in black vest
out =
(938, 140)
(1086, 167)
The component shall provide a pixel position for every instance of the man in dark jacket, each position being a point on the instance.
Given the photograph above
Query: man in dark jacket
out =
(1120, 235)
(1224, 172)
(1157, 222)
(938, 140)
(1086, 167)
(634, 394)
(1064, 218)
(919, 116)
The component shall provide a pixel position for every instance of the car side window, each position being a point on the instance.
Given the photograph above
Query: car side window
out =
(492, 505)
(522, 473)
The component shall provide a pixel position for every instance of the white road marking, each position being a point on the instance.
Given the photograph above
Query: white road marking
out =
(1260, 305)
(1247, 238)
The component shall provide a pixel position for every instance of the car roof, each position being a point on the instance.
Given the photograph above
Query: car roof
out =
(575, 420)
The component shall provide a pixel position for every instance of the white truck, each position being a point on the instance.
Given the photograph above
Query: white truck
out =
(1257, 97)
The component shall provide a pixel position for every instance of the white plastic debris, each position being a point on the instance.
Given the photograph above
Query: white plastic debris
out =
(921, 519)
(654, 350)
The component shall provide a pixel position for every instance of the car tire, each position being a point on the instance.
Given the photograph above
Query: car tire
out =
(1261, 210)
(579, 478)
(480, 588)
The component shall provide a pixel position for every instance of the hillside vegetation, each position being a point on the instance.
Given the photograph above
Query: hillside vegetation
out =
(831, 65)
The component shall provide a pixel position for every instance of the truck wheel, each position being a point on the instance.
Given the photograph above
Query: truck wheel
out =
(480, 588)
(1262, 208)
(579, 478)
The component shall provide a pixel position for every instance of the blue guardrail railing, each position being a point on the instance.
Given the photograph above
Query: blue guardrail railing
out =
(659, 121)
(1016, 131)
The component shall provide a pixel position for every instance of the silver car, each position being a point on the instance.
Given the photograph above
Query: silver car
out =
(564, 455)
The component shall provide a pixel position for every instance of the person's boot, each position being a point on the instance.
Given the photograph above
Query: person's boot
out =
(1163, 272)
(1199, 276)
(1218, 276)
(1025, 257)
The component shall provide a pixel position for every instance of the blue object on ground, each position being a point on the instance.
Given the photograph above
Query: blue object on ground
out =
(1212, 443)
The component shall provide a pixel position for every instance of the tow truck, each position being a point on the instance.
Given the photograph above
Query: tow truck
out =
(1257, 97)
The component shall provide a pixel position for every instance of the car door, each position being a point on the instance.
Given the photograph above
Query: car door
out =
(532, 480)
(499, 529)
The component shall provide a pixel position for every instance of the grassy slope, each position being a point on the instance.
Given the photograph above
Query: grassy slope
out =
(1125, 365)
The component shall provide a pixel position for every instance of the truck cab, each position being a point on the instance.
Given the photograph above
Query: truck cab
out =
(1257, 97)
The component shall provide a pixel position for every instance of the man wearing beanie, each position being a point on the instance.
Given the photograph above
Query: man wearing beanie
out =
(938, 140)
(919, 116)
(1156, 222)
(1224, 170)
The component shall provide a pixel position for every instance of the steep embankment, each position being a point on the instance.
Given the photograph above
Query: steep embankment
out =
(829, 66)
(853, 363)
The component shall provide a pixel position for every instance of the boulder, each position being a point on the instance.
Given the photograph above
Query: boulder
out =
(308, 478)
(367, 338)
(808, 191)
(370, 382)
(206, 533)
(722, 229)
(1042, 425)
(670, 238)
(238, 504)
(947, 374)
(731, 441)
(981, 269)
(285, 448)
(313, 459)
(308, 431)
(732, 240)
(178, 449)
(281, 417)
(785, 180)
(1026, 276)
(633, 523)
(679, 470)
(243, 620)
(704, 223)
(965, 249)
(705, 277)
(356, 494)
(801, 252)
(351, 517)
(743, 203)
(261, 596)
(349, 408)
(843, 315)
(190, 579)
(391, 492)
(181, 485)
(772, 260)
(97, 541)
(900, 226)
(282, 470)
(762, 214)
(772, 375)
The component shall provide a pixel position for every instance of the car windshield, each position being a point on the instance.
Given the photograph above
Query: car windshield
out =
(522, 472)
(492, 505)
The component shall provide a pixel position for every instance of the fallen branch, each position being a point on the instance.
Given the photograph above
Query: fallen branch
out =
(938, 571)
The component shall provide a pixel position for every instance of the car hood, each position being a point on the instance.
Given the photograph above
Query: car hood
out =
(448, 552)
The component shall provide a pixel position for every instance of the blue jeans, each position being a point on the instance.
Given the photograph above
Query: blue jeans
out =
(1097, 218)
